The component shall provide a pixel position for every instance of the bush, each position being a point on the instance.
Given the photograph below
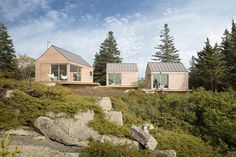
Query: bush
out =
(184, 144)
(103, 126)
(202, 113)
(106, 149)
(33, 100)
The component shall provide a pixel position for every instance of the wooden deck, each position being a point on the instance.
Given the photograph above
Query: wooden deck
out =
(166, 90)
(77, 84)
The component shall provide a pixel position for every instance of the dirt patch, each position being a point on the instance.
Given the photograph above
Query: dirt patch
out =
(101, 91)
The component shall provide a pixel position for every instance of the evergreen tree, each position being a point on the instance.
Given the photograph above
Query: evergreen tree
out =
(210, 66)
(108, 53)
(166, 51)
(193, 75)
(226, 53)
(232, 57)
(8, 62)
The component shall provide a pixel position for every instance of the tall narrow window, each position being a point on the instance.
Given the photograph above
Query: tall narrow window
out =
(75, 71)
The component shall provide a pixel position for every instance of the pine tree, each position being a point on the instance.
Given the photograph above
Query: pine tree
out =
(226, 53)
(166, 50)
(210, 67)
(8, 62)
(193, 75)
(108, 53)
(232, 56)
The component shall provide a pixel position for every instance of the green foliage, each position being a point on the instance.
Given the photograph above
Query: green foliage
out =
(106, 149)
(4, 148)
(215, 68)
(202, 113)
(129, 117)
(210, 67)
(8, 62)
(183, 143)
(103, 126)
(26, 67)
(108, 53)
(198, 123)
(33, 100)
(166, 50)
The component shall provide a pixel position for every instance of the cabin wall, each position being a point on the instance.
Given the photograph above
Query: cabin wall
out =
(85, 74)
(128, 79)
(176, 80)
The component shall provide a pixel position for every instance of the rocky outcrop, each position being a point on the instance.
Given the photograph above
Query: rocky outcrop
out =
(105, 103)
(147, 140)
(77, 127)
(115, 116)
(41, 151)
(21, 132)
(51, 130)
(166, 153)
(119, 141)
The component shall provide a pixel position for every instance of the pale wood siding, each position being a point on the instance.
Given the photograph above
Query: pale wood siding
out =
(85, 74)
(129, 79)
(52, 56)
(178, 81)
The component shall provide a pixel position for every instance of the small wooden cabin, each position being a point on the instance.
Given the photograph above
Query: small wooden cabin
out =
(59, 65)
(166, 76)
(122, 75)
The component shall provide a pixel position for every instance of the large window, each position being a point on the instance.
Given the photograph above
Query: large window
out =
(59, 72)
(76, 72)
(160, 81)
(114, 79)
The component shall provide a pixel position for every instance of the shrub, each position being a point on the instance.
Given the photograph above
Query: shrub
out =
(4, 148)
(106, 149)
(184, 144)
(104, 126)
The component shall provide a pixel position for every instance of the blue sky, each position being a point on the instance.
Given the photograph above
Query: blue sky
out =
(81, 25)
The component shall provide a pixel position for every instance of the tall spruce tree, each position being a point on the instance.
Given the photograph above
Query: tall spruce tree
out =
(210, 66)
(166, 51)
(8, 61)
(227, 57)
(194, 80)
(108, 53)
(232, 56)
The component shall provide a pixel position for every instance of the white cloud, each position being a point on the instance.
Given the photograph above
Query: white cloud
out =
(169, 11)
(137, 34)
(11, 9)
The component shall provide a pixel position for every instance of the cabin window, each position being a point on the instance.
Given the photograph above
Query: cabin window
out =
(75, 72)
(114, 79)
(58, 70)
(160, 81)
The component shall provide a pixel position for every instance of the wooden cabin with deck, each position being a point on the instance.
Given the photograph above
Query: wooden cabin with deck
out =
(59, 65)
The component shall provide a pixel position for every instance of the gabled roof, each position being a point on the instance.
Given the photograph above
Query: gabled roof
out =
(166, 67)
(72, 57)
(122, 67)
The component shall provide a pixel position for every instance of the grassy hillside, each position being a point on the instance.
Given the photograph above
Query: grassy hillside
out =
(197, 124)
